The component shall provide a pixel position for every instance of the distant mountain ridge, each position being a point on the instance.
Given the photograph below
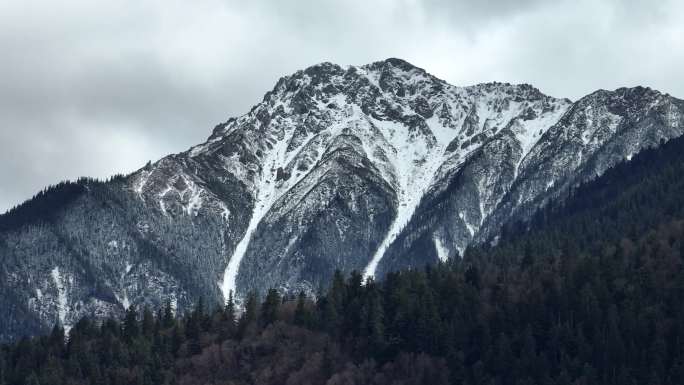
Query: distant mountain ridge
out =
(370, 168)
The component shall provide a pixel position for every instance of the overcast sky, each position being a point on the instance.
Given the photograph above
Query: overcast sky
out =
(101, 87)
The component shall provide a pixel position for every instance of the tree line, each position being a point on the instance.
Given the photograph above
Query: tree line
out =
(616, 317)
(591, 291)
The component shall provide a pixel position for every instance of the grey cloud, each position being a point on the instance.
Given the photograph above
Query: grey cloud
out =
(479, 13)
(96, 88)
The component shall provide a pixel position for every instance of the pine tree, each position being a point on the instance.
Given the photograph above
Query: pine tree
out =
(131, 329)
(227, 327)
(249, 317)
(355, 284)
(193, 330)
(3, 367)
(56, 339)
(269, 309)
(472, 276)
(329, 318)
(148, 322)
(373, 318)
(202, 315)
(615, 348)
(338, 292)
(302, 316)
(169, 320)
(177, 339)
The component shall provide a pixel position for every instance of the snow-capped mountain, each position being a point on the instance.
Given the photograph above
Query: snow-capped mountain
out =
(369, 168)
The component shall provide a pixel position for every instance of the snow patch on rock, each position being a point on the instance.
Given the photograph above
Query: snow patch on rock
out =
(62, 300)
(442, 252)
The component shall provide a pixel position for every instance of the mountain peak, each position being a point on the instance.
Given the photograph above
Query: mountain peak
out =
(397, 63)
(369, 168)
(628, 93)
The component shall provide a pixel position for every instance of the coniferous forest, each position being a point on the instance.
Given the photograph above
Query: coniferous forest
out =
(338, 192)
(613, 318)
(591, 291)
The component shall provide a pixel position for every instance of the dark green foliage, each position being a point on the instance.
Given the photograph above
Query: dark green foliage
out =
(625, 202)
(269, 309)
(168, 319)
(226, 320)
(147, 325)
(611, 318)
(589, 292)
(44, 204)
(303, 313)
(131, 328)
(248, 319)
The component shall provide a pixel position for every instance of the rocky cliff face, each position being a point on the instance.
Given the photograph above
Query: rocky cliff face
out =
(498, 185)
(372, 168)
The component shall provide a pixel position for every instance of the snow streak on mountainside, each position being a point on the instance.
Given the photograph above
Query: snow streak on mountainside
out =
(370, 168)
(405, 123)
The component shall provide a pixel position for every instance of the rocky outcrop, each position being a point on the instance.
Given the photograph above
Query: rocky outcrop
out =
(372, 168)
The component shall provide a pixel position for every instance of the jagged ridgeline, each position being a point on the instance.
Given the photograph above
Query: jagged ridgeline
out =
(371, 168)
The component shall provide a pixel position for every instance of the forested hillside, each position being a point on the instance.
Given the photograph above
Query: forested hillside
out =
(609, 318)
(590, 292)
(628, 200)
(377, 168)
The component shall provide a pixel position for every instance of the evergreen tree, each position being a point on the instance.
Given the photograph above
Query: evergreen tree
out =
(131, 328)
(302, 316)
(57, 339)
(249, 317)
(338, 292)
(177, 338)
(227, 326)
(574, 312)
(269, 309)
(373, 319)
(169, 318)
(147, 322)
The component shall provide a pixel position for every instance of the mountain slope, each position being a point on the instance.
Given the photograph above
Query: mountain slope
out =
(629, 200)
(587, 292)
(594, 134)
(369, 168)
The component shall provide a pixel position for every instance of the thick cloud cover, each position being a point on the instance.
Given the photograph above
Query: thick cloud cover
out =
(95, 88)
